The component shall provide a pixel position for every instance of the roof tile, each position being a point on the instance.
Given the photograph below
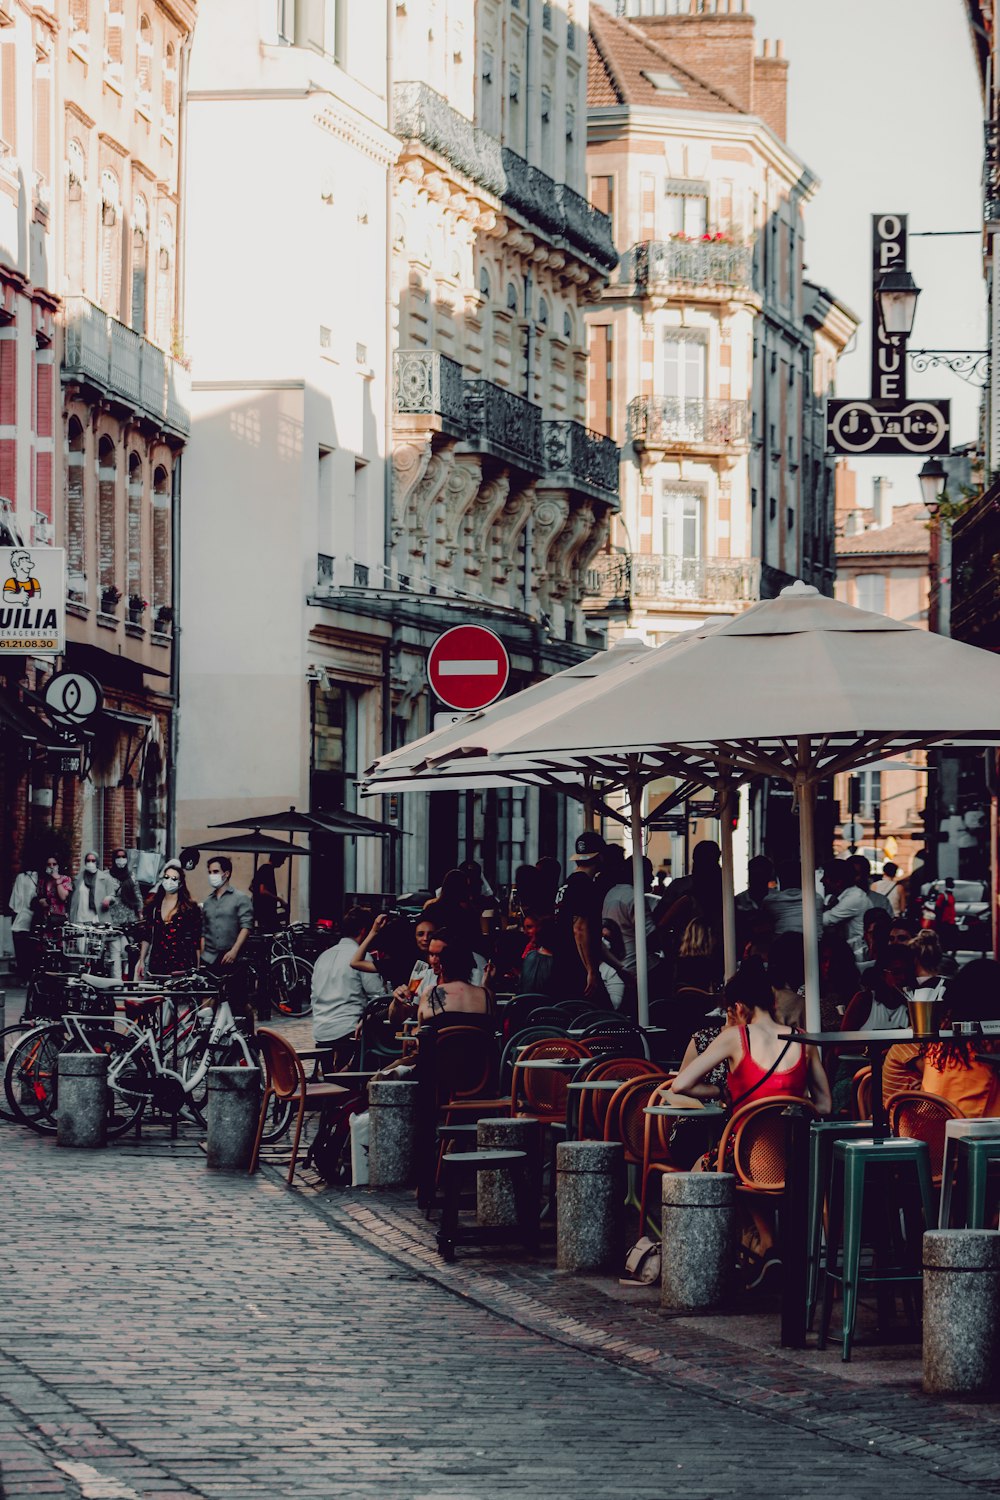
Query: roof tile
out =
(620, 56)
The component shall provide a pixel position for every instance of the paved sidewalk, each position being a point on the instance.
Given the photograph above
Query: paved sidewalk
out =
(165, 1331)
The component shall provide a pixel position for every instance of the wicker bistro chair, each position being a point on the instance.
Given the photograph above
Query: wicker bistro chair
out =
(916, 1116)
(861, 1091)
(656, 1146)
(538, 1093)
(625, 1121)
(593, 1107)
(285, 1079)
(753, 1145)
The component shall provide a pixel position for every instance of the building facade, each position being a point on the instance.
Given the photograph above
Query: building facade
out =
(711, 356)
(92, 402)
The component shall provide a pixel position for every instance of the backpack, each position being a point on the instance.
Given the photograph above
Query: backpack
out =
(330, 1152)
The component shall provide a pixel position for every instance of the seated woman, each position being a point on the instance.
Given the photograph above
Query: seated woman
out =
(454, 999)
(882, 1006)
(951, 1070)
(698, 964)
(760, 1065)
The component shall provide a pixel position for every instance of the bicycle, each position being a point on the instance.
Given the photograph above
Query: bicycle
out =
(137, 1074)
(289, 973)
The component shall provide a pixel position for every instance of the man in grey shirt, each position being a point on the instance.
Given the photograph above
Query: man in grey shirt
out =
(227, 917)
(784, 906)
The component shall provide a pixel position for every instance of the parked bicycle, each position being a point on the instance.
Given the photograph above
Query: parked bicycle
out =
(281, 975)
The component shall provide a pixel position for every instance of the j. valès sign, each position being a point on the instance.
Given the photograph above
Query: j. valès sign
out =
(888, 423)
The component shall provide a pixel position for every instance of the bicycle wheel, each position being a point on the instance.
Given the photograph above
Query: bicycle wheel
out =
(130, 1085)
(291, 979)
(30, 1077)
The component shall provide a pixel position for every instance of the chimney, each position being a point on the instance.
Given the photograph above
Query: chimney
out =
(714, 39)
(769, 96)
(882, 502)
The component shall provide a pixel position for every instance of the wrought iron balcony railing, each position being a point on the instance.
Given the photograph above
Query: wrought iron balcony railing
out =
(669, 422)
(625, 578)
(419, 113)
(504, 424)
(587, 457)
(656, 264)
(125, 365)
(428, 384)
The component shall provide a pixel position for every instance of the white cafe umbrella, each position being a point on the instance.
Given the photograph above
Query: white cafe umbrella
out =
(800, 687)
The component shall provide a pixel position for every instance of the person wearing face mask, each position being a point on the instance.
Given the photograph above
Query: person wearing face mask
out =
(56, 890)
(93, 892)
(126, 905)
(227, 916)
(22, 905)
(172, 941)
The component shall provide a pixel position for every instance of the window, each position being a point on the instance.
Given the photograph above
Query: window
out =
(140, 259)
(600, 377)
(114, 21)
(8, 93)
(548, 164)
(76, 176)
(164, 281)
(488, 65)
(79, 19)
(134, 580)
(107, 476)
(319, 24)
(570, 124)
(568, 325)
(546, 15)
(169, 84)
(76, 533)
(42, 156)
(144, 62)
(543, 313)
(511, 297)
(683, 367)
(110, 242)
(870, 592)
(679, 527)
(602, 195)
(161, 537)
(484, 283)
(686, 208)
(869, 792)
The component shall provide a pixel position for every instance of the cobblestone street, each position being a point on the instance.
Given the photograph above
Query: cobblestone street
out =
(166, 1332)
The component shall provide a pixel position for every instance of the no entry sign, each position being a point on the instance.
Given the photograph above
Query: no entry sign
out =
(468, 667)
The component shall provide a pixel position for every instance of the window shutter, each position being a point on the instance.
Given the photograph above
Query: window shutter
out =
(43, 124)
(106, 526)
(78, 17)
(76, 535)
(113, 45)
(309, 27)
(139, 289)
(161, 547)
(135, 536)
(8, 93)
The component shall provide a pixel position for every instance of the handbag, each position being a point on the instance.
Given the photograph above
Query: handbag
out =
(642, 1264)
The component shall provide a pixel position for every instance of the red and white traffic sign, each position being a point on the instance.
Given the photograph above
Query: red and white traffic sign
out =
(468, 667)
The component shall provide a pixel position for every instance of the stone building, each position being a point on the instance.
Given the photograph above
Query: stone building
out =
(92, 404)
(711, 355)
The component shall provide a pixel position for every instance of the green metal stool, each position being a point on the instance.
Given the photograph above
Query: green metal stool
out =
(853, 1161)
(822, 1135)
(975, 1157)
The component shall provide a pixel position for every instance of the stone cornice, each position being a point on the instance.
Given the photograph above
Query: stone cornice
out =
(380, 145)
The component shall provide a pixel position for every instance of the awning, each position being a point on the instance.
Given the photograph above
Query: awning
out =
(18, 720)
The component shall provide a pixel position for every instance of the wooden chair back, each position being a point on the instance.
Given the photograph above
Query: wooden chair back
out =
(861, 1089)
(284, 1073)
(753, 1143)
(917, 1116)
(465, 1063)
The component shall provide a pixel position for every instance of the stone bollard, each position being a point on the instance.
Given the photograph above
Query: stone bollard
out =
(698, 1249)
(495, 1199)
(232, 1116)
(83, 1099)
(961, 1312)
(590, 1204)
(392, 1112)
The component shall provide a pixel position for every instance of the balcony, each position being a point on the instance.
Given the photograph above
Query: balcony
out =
(505, 425)
(577, 458)
(667, 266)
(670, 423)
(122, 364)
(431, 385)
(421, 114)
(621, 580)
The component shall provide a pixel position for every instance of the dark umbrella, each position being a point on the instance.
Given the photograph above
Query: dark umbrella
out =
(339, 822)
(252, 843)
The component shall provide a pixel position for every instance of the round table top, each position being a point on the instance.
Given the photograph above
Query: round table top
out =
(600, 1083)
(565, 1065)
(686, 1111)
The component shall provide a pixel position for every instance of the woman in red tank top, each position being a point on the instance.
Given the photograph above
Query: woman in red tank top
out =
(760, 1064)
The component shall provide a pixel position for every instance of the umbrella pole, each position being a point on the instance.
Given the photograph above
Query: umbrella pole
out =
(728, 877)
(639, 899)
(810, 928)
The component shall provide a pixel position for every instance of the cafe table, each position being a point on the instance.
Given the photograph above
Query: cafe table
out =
(574, 1092)
(877, 1044)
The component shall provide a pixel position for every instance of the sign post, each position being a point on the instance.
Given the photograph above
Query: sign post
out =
(887, 424)
(468, 667)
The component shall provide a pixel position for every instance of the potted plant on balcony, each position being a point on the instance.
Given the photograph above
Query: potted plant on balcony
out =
(164, 619)
(110, 599)
(137, 607)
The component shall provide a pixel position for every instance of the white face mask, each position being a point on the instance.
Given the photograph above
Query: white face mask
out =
(215, 880)
(91, 867)
(121, 864)
(52, 869)
(170, 885)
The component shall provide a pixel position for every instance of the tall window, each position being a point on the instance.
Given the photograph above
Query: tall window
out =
(8, 93)
(134, 584)
(548, 165)
(320, 24)
(79, 18)
(680, 522)
(169, 85)
(871, 592)
(144, 63)
(42, 162)
(114, 51)
(683, 367)
(161, 537)
(686, 208)
(165, 283)
(140, 259)
(110, 242)
(76, 532)
(76, 179)
(870, 792)
(600, 375)
(107, 476)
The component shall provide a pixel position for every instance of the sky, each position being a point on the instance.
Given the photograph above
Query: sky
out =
(884, 108)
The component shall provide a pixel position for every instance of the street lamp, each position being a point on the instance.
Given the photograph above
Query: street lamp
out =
(933, 478)
(896, 295)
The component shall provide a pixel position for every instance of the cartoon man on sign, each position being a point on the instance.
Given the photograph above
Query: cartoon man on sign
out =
(22, 588)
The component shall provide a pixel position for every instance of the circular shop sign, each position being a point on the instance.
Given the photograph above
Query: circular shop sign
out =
(73, 698)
